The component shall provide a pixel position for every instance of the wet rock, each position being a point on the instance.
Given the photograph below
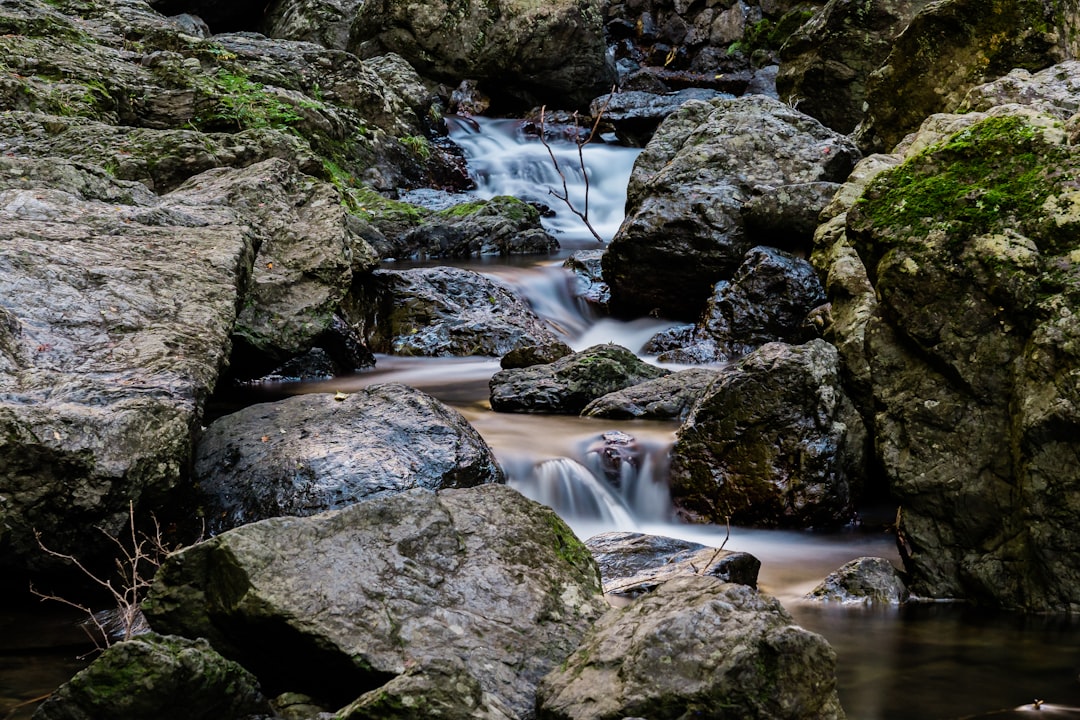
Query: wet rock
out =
(534, 355)
(118, 308)
(568, 66)
(311, 453)
(666, 398)
(325, 22)
(952, 46)
(585, 264)
(968, 350)
(500, 226)
(157, 676)
(695, 642)
(445, 311)
(567, 385)
(768, 300)
(349, 600)
(615, 455)
(864, 580)
(827, 62)
(774, 442)
(442, 689)
(635, 114)
(686, 225)
(633, 563)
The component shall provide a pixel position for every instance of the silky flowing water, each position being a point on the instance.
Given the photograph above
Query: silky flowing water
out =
(930, 662)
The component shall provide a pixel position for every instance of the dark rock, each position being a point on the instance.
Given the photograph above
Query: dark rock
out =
(636, 114)
(325, 22)
(775, 441)
(316, 452)
(530, 355)
(585, 264)
(954, 45)
(827, 62)
(687, 225)
(553, 53)
(696, 644)
(346, 601)
(632, 563)
(154, 676)
(864, 580)
(767, 300)
(500, 226)
(446, 311)
(567, 385)
(666, 398)
(615, 455)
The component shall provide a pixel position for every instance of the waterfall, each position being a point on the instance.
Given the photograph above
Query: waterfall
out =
(503, 160)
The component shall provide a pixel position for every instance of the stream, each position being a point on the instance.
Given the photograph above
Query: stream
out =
(937, 661)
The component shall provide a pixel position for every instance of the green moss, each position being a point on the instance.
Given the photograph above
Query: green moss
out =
(366, 202)
(997, 173)
(418, 145)
(241, 103)
(567, 545)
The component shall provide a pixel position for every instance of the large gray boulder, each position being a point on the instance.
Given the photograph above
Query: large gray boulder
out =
(633, 563)
(826, 63)
(665, 398)
(570, 383)
(116, 315)
(554, 52)
(316, 452)
(687, 225)
(971, 353)
(767, 300)
(774, 442)
(695, 645)
(443, 311)
(954, 45)
(346, 601)
(154, 676)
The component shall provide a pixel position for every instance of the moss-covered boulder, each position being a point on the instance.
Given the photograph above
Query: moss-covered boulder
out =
(570, 383)
(952, 46)
(158, 676)
(775, 441)
(345, 602)
(971, 247)
(696, 646)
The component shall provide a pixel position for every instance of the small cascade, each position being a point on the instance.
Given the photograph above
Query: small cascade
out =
(503, 160)
(569, 488)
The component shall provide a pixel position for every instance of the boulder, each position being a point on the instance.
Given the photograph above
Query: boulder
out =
(155, 676)
(570, 383)
(970, 352)
(635, 114)
(695, 645)
(443, 311)
(530, 355)
(826, 63)
(686, 226)
(863, 581)
(316, 452)
(585, 264)
(633, 563)
(118, 308)
(774, 442)
(502, 225)
(325, 22)
(954, 45)
(1053, 91)
(347, 601)
(666, 398)
(768, 300)
(553, 52)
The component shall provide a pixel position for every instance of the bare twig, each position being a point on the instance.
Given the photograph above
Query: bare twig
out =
(565, 196)
(727, 536)
(11, 709)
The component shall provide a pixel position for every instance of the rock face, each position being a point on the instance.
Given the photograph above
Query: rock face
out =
(116, 315)
(310, 453)
(827, 62)
(666, 398)
(346, 601)
(632, 563)
(500, 226)
(775, 441)
(553, 52)
(156, 676)
(970, 352)
(687, 225)
(567, 385)
(695, 645)
(953, 46)
(863, 581)
(767, 300)
(444, 311)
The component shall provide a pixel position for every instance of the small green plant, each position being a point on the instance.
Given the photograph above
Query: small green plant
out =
(418, 144)
(247, 104)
